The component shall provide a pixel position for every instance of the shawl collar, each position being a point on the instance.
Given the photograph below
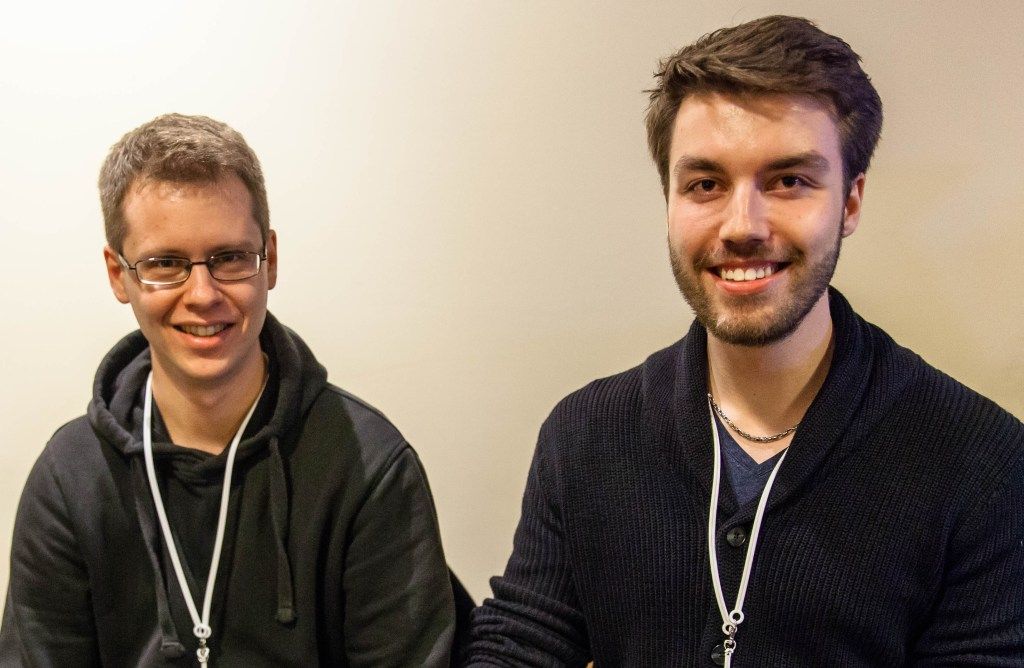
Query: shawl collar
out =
(682, 370)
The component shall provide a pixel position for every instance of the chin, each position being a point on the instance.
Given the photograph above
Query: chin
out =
(200, 372)
(759, 326)
(750, 335)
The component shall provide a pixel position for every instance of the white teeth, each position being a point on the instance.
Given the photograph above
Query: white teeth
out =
(740, 275)
(201, 330)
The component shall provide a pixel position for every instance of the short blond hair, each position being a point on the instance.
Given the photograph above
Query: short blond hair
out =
(182, 149)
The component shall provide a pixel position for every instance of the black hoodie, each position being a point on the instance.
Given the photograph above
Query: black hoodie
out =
(331, 553)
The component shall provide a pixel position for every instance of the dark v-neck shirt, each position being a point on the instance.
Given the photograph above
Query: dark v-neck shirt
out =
(745, 477)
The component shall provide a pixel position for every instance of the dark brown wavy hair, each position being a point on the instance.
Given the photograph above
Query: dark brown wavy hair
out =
(770, 55)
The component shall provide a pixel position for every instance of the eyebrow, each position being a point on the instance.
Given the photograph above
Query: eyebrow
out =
(222, 248)
(811, 160)
(691, 163)
(808, 159)
(161, 252)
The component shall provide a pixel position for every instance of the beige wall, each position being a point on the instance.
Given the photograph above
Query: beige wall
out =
(469, 225)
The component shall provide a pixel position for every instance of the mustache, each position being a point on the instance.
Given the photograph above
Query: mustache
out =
(755, 253)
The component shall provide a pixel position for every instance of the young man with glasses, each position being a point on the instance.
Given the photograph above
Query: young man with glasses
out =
(221, 501)
(785, 486)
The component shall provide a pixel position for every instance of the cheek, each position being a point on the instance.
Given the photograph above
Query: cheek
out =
(150, 307)
(811, 226)
(687, 233)
(148, 317)
(252, 301)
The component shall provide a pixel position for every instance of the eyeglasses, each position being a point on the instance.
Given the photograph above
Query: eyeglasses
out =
(228, 266)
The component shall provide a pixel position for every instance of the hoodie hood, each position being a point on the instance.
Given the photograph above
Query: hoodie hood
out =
(295, 379)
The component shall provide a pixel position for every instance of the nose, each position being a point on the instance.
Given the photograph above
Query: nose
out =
(201, 289)
(746, 217)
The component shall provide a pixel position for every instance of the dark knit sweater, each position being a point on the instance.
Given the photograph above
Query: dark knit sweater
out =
(893, 535)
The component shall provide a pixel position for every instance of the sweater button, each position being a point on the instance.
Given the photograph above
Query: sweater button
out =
(718, 655)
(736, 537)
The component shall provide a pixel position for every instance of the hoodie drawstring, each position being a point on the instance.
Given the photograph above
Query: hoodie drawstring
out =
(170, 645)
(279, 520)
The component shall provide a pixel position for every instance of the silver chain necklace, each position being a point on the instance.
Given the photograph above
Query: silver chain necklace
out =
(750, 437)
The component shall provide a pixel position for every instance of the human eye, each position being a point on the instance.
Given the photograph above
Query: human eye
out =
(162, 269)
(163, 263)
(703, 187)
(229, 257)
(233, 265)
(791, 183)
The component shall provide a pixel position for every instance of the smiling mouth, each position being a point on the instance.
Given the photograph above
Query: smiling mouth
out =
(201, 330)
(744, 274)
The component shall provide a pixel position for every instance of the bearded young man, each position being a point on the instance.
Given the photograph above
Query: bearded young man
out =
(221, 502)
(785, 486)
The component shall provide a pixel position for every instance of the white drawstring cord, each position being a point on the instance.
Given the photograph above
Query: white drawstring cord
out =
(201, 625)
(732, 620)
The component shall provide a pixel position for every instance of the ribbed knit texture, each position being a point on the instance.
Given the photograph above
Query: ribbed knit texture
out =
(893, 535)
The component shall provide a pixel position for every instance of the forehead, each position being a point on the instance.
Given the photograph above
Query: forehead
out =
(166, 216)
(744, 130)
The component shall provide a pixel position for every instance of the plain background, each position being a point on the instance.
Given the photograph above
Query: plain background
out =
(469, 224)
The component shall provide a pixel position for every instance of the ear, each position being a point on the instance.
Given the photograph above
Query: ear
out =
(271, 259)
(851, 210)
(116, 274)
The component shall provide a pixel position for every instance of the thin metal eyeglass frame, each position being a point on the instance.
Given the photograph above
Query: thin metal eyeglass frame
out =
(261, 258)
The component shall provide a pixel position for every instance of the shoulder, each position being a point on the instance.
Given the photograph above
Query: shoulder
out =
(74, 451)
(932, 400)
(610, 412)
(982, 440)
(907, 395)
(622, 395)
(600, 402)
(353, 429)
(64, 481)
(941, 420)
(71, 434)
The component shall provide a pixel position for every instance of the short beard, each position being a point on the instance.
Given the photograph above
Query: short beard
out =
(756, 332)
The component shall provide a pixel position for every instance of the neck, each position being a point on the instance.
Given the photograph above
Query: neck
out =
(206, 416)
(767, 389)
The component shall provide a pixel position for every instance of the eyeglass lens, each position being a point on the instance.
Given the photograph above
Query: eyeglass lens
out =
(224, 267)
